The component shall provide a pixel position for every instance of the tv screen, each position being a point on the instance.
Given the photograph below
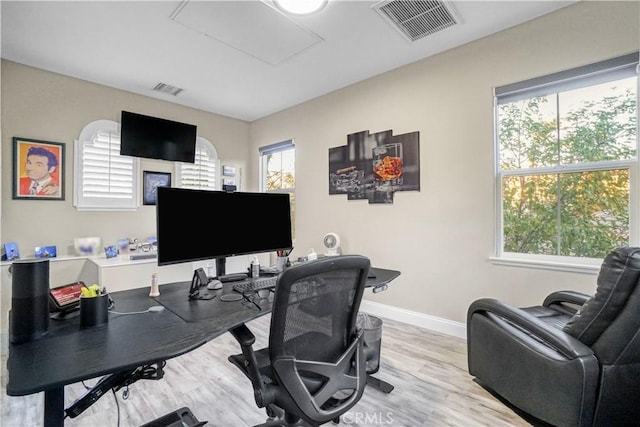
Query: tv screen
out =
(155, 138)
(200, 224)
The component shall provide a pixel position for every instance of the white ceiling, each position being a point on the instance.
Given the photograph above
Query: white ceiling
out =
(242, 59)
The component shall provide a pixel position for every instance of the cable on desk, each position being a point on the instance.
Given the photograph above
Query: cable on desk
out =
(152, 309)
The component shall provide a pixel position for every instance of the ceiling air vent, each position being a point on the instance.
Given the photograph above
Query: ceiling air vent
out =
(416, 19)
(168, 89)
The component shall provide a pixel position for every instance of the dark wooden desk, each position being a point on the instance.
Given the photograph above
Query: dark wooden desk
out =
(379, 278)
(68, 354)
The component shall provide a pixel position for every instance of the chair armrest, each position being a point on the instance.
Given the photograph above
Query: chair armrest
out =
(263, 395)
(243, 335)
(565, 344)
(571, 297)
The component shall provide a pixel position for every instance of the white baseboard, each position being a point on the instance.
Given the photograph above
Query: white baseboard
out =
(421, 320)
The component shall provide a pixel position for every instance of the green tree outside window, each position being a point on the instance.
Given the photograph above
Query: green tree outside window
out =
(564, 168)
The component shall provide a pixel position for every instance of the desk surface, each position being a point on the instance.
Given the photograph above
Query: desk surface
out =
(68, 354)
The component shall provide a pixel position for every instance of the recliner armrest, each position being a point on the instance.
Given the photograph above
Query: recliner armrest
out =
(571, 297)
(567, 345)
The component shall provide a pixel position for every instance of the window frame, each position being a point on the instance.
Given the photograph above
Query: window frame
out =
(83, 203)
(278, 147)
(592, 74)
(201, 144)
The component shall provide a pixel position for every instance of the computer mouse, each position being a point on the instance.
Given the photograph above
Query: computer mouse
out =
(214, 285)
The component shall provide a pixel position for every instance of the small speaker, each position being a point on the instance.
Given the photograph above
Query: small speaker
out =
(29, 315)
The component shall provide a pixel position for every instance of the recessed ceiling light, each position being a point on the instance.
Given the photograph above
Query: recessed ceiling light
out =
(301, 7)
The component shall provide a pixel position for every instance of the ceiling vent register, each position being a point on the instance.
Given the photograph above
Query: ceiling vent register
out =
(168, 89)
(417, 19)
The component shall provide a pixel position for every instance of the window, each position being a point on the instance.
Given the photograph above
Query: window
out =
(203, 174)
(103, 179)
(278, 167)
(566, 161)
(277, 171)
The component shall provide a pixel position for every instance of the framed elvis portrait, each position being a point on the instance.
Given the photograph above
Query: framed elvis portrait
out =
(38, 169)
(150, 183)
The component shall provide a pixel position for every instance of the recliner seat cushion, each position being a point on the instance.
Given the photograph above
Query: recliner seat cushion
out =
(618, 276)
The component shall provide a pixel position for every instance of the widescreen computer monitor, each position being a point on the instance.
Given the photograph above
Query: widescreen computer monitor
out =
(196, 225)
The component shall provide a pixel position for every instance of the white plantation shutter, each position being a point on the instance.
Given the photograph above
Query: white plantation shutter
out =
(203, 174)
(104, 180)
(106, 173)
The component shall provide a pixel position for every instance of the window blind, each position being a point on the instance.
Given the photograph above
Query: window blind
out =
(277, 147)
(203, 173)
(587, 75)
(103, 179)
(106, 174)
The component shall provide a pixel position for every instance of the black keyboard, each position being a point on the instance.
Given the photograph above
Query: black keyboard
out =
(252, 285)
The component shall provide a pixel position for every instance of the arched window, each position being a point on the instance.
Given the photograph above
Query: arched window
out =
(203, 174)
(103, 179)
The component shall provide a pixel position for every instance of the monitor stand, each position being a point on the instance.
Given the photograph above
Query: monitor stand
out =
(221, 269)
(221, 266)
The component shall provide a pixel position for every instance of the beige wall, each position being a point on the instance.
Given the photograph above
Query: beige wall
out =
(441, 237)
(41, 105)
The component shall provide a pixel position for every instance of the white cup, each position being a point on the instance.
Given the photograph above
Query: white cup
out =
(312, 255)
(281, 262)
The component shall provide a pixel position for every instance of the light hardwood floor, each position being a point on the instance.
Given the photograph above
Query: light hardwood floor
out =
(428, 370)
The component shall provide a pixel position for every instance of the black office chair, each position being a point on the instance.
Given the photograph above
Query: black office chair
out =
(575, 360)
(313, 370)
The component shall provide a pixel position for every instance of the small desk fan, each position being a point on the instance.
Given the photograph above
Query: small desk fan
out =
(331, 241)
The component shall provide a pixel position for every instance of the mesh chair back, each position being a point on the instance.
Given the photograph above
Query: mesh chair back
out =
(315, 308)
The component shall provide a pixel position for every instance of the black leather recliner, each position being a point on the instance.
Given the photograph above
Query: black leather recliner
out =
(575, 360)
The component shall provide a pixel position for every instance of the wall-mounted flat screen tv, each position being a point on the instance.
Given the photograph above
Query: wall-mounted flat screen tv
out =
(156, 138)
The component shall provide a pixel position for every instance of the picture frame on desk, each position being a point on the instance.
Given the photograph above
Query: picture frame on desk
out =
(123, 246)
(111, 251)
(11, 252)
(150, 183)
(86, 246)
(38, 169)
(46, 252)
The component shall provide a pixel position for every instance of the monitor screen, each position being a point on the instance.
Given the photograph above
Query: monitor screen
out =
(155, 138)
(200, 224)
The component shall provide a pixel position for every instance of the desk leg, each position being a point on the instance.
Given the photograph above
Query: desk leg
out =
(54, 407)
(379, 384)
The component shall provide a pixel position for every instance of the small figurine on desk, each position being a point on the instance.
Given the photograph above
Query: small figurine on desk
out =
(155, 291)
